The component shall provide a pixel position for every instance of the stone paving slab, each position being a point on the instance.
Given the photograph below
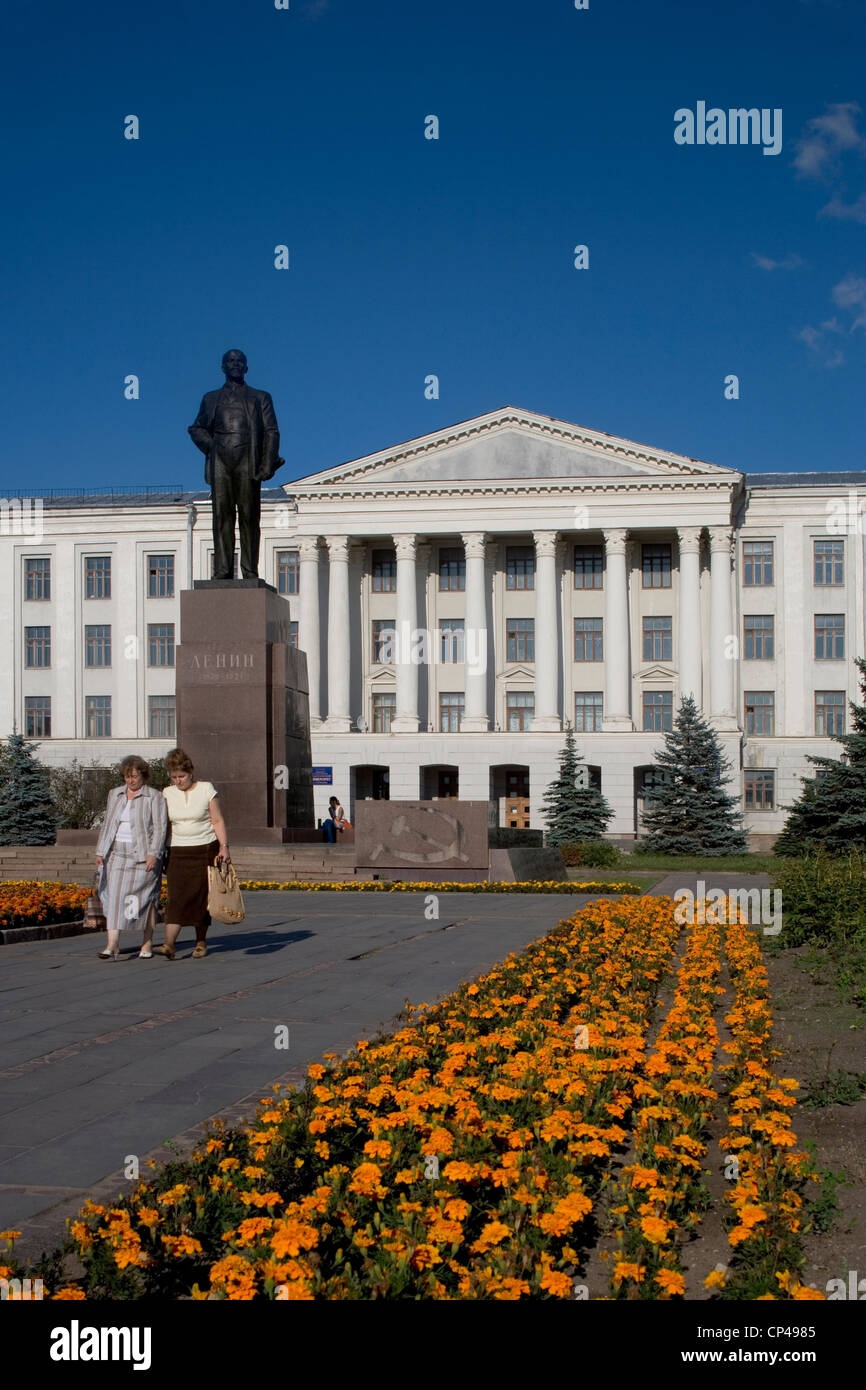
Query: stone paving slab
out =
(115, 1058)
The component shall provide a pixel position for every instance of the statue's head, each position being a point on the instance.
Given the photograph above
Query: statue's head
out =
(234, 364)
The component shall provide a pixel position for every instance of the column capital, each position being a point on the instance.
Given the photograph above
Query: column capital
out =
(689, 538)
(308, 547)
(721, 539)
(615, 540)
(338, 549)
(474, 543)
(405, 546)
(545, 543)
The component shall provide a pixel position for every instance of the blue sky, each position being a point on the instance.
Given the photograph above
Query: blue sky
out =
(411, 257)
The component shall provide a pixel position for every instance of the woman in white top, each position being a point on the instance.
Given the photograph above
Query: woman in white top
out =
(198, 838)
(129, 857)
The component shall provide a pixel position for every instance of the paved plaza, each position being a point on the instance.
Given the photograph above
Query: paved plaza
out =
(102, 1059)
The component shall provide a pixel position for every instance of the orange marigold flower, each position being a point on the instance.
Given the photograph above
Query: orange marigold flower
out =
(493, 1234)
(457, 1209)
(289, 1237)
(655, 1228)
(716, 1280)
(627, 1269)
(148, 1216)
(458, 1172)
(378, 1148)
(556, 1283)
(672, 1282)
(72, 1291)
(367, 1181)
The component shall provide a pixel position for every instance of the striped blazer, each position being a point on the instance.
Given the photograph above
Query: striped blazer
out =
(148, 821)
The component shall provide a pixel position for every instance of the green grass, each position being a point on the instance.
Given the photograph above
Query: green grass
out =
(698, 864)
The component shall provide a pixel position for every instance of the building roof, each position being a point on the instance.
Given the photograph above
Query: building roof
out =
(854, 478)
(120, 497)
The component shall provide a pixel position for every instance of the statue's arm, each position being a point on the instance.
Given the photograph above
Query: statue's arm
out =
(272, 432)
(199, 432)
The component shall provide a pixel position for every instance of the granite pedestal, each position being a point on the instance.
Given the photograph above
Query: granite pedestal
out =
(422, 841)
(243, 707)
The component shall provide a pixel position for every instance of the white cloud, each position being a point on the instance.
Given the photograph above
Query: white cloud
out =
(850, 293)
(791, 262)
(826, 138)
(846, 212)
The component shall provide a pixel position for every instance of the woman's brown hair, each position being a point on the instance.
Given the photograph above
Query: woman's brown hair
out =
(133, 762)
(178, 761)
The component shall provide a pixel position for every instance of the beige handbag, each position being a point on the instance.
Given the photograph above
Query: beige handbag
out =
(224, 901)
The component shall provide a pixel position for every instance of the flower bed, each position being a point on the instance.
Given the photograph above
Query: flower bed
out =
(459, 1158)
(464, 1156)
(662, 1194)
(37, 902)
(767, 1197)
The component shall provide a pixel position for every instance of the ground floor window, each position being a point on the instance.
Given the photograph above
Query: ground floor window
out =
(760, 790)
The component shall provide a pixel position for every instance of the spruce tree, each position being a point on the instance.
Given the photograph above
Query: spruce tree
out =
(831, 811)
(573, 813)
(27, 815)
(691, 813)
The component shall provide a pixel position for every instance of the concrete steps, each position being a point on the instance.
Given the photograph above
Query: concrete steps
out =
(282, 863)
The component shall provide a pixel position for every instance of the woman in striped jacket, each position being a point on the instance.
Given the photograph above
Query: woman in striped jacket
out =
(129, 856)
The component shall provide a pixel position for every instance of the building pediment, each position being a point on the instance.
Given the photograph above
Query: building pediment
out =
(509, 445)
(656, 672)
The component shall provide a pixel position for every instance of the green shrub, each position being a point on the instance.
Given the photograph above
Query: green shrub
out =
(594, 854)
(823, 898)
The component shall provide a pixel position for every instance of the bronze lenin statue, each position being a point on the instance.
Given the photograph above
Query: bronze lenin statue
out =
(237, 429)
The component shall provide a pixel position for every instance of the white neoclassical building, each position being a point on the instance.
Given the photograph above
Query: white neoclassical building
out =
(460, 597)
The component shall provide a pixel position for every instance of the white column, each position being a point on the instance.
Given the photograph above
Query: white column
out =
(546, 717)
(405, 719)
(339, 720)
(690, 646)
(722, 649)
(617, 634)
(309, 634)
(476, 719)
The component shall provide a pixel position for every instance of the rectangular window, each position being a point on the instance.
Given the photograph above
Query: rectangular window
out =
(588, 645)
(829, 711)
(451, 706)
(588, 566)
(160, 716)
(384, 572)
(829, 636)
(37, 579)
(37, 647)
(760, 790)
(757, 563)
(657, 638)
(656, 566)
(160, 644)
(760, 710)
(758, 637)
(383, 641)
(288, 572)
(658, 706)
(97, 716)
(37, 716)
(97, 576)
(520, 639)
(293, 634)
(160, 576)
(519, 710)
(384, 705)
(587, 711)
(829, 563)
(519, 567)
(452, 639)
(97, 644)
(452, 569)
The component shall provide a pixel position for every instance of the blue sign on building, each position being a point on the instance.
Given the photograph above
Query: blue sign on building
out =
(323, 776)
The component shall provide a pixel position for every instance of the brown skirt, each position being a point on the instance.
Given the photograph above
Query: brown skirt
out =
(186, 883)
